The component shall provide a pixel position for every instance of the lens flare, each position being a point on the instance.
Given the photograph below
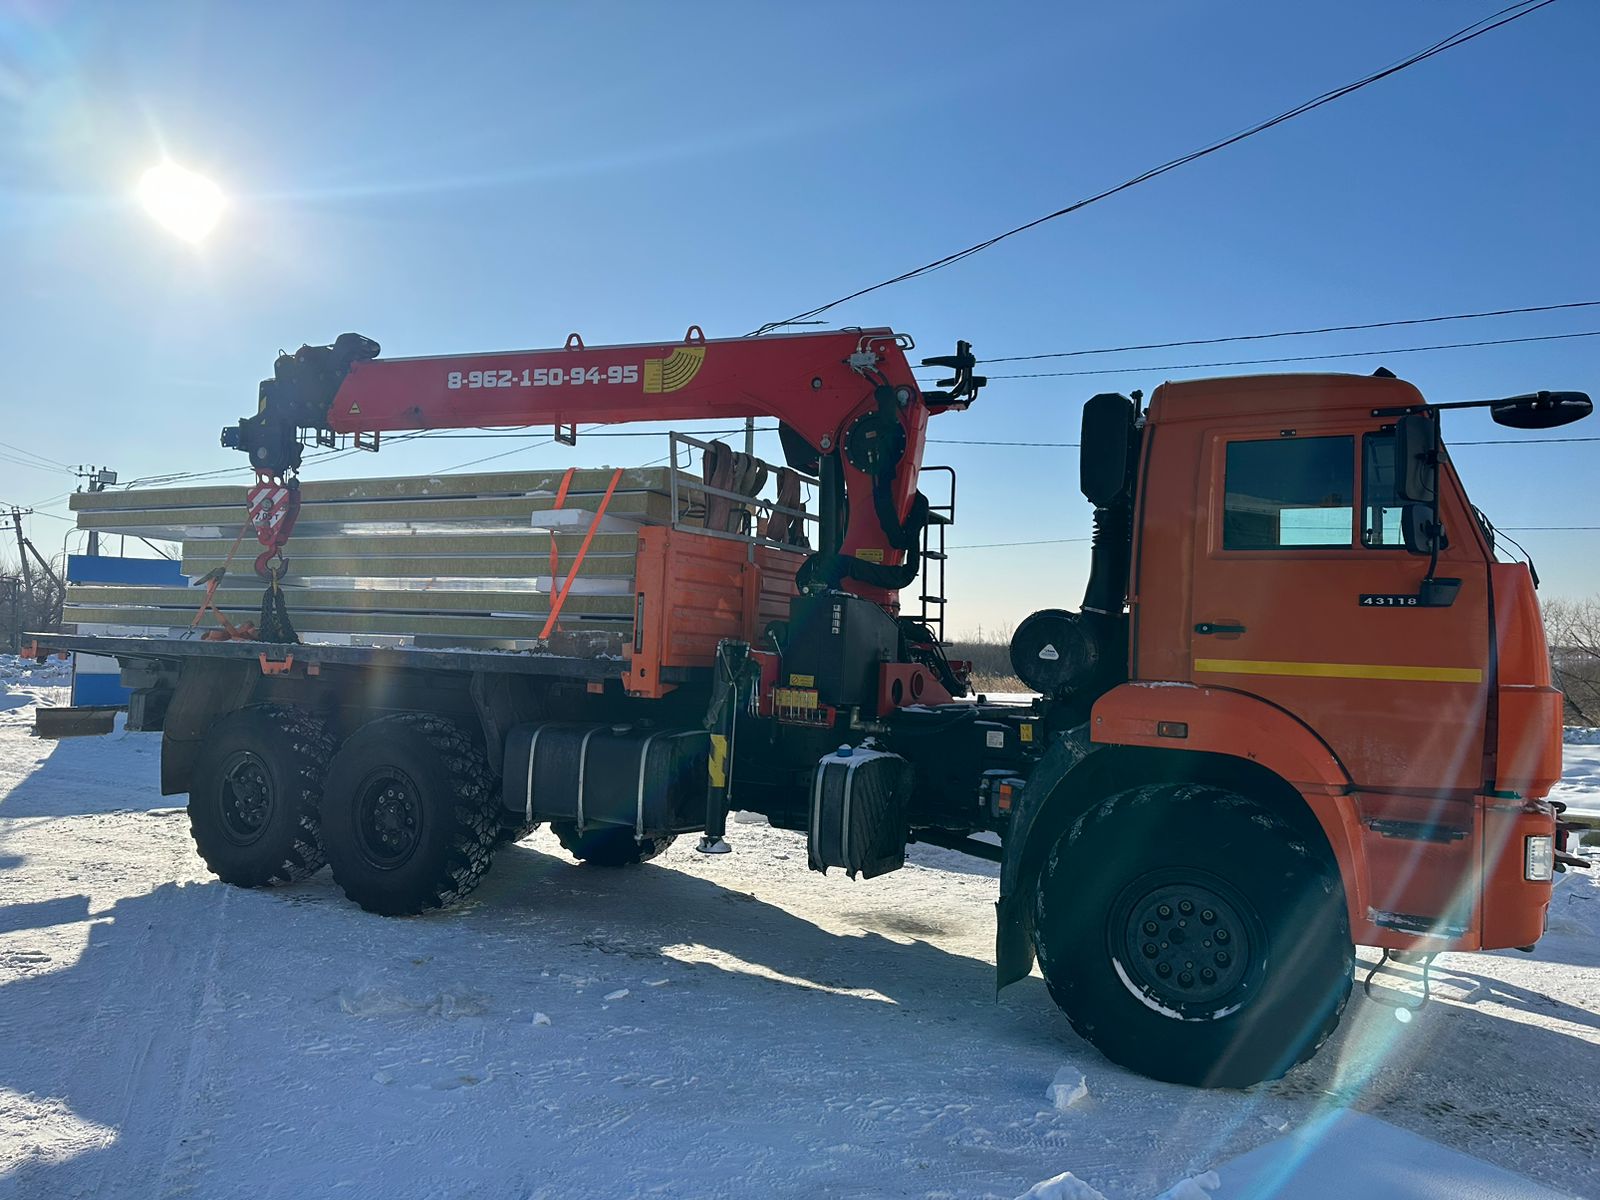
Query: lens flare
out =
(181, 202)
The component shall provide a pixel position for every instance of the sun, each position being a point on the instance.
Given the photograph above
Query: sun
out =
(185, 204)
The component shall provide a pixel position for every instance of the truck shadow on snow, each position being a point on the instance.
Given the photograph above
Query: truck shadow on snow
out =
(168, 978)
(108, 1044)
(69, 778)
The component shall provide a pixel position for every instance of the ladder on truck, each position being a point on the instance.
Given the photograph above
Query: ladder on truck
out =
(932, 599)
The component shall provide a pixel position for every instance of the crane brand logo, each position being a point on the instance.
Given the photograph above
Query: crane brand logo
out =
(674, 372)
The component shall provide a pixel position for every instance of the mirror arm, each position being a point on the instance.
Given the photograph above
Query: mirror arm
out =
(1438, 490)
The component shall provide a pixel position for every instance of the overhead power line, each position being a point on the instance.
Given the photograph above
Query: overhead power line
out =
(1284, 333)
(46, 463)
(1496, 20)
(1254, 362)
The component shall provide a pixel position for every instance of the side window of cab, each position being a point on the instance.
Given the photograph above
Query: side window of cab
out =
(1380, 497)
(1289, 493)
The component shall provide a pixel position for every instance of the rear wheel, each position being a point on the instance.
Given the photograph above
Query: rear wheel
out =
(255, 796)
(609, 845)
(1194, 936)
(409, 815)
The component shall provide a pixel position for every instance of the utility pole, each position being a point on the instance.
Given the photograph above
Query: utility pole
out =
(99, 479)
(22, 550)
(25, 548)
(11, 590)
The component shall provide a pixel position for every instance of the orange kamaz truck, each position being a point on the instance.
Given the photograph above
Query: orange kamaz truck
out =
(1302, 706)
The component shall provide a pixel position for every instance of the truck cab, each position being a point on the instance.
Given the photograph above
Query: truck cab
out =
(1429, 719)
(1318, 638)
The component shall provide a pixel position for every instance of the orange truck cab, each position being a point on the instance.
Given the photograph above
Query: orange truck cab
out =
(1295, 613)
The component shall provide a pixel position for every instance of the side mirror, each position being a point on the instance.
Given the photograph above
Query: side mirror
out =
(1542, 410)
(1421, 533)
(1105, 448)
(1416, 458)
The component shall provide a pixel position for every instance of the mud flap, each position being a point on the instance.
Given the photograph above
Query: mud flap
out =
(1013, 948)
(1026, 842)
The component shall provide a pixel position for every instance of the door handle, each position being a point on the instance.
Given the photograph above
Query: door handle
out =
(1213, 627)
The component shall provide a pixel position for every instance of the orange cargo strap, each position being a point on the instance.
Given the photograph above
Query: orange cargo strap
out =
(213, 581)
(561, 498)
(583, 549)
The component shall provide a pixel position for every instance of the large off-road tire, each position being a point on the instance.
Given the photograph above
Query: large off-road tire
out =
(609, 845)
(1193, 936)
(409, 815)
(255, 795)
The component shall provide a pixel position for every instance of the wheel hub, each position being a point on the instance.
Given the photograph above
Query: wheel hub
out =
(388, 819)
(1185, 941)
(246, 802)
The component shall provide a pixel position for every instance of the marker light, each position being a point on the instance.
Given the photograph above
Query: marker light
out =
(1539, 858)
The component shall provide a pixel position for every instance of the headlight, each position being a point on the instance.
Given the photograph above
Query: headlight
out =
(1539, 858)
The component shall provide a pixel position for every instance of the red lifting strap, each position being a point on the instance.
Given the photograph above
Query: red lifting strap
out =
(583, 549)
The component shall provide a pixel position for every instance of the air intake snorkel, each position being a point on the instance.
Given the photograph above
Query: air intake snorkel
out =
(1077, 655)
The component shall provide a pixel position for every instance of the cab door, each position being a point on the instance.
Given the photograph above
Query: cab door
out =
(1304, 596)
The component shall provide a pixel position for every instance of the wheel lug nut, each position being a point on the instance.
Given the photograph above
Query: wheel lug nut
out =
(1185, 907)
(1163, 969)
(1208, 975)
(1152, 928)
(1222, 935)
(1222, 958)
(1150, 950)
(1185, 980)
(1164, 911)
(1207, 916)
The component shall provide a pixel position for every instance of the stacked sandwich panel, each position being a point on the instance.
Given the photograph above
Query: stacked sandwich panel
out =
(440, 560)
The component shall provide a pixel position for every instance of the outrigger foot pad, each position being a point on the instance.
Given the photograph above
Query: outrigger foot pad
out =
(713, 845)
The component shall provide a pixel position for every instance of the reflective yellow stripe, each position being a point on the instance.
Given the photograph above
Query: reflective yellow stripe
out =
(717, 764)
(1322, 670)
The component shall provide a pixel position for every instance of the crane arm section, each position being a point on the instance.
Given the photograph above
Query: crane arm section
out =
(850, 408)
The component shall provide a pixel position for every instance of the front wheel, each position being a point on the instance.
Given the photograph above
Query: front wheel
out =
(409, 815)
(1193, 936)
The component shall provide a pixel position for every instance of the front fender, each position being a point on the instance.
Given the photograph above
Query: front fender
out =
(1191, 729)
(1218, 721)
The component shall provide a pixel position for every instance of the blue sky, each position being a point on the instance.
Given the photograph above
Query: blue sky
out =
(484, 177)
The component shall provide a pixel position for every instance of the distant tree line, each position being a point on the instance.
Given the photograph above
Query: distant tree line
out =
(1572, 627)
(28, 603)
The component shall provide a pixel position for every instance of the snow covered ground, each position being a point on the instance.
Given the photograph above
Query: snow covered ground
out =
(730, 1026)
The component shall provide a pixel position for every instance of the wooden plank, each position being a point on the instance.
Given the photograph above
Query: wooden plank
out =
(246, 594)
(586, 480)
(335, 518)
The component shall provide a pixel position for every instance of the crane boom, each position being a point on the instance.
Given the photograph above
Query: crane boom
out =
(847, 402)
